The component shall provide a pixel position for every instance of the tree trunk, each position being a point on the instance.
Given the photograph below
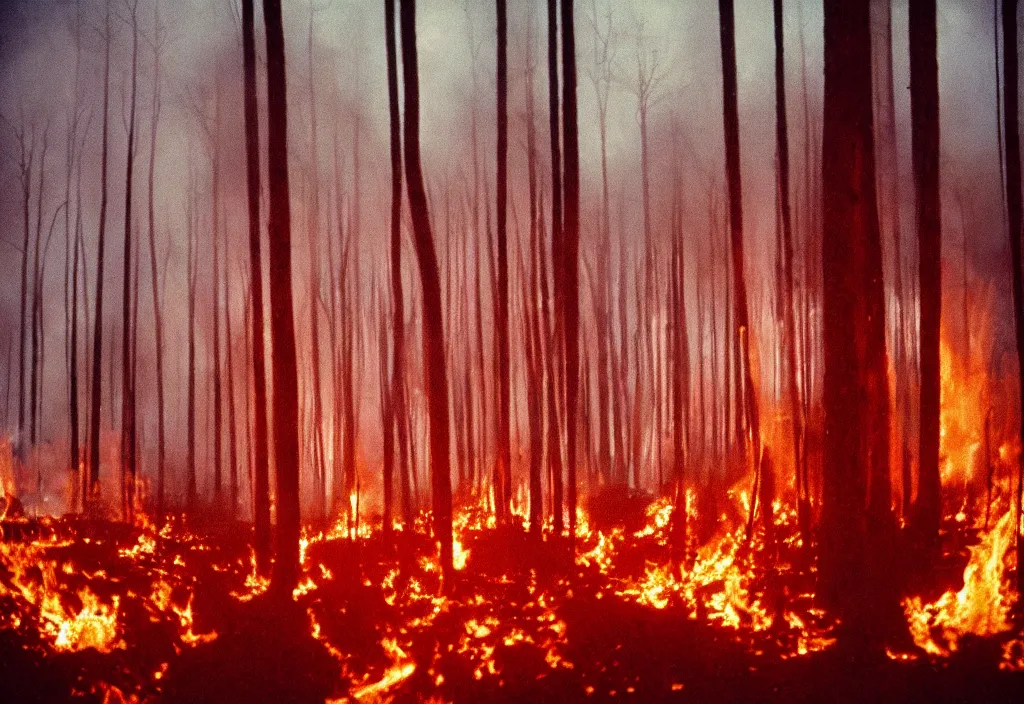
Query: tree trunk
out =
(788, 303)
(1013, 207)
(282, 323)
(741, 331)
(154, 275)
(261, 459)
(570, 253)
(503, 483)
(397, 395)
(433, 327)
(856, 548)
(924, 108)
(127, 403)
(97, 351)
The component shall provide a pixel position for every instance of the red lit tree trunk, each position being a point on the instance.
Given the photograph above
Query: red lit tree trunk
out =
(191, 417)
(433, 327)
(261, 460)
(396, 404)
(555, 355)
(503, 478)
(127, 402)
(1013, 207)
(855, 534)
(924, 110)
(789, 316)
(741, 323)
(97, 351)
(154, 272)
(570, 255)
(282, 323)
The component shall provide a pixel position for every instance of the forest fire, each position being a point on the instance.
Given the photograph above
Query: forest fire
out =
(448, 359)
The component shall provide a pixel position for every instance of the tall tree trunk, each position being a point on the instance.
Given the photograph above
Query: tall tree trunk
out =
(127, 403)
(788, 303)
(1013, 207)
(856, 550)
(191, 492)
(261, 459)
(503, 478)
(741, 332)
(154, 275)
(397, 396)
(556, 371)
(570, 253)
(218, 435)
(97, 348)
(924, 109)
(433, 327)
(282, 323)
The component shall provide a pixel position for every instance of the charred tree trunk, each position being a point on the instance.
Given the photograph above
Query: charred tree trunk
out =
(282, 322)
(161, 441)
(570, 254)
(503, 478)
(397, 394)
(788, 303)
(433, 328)
(1013, 207)
(856, 549)
(97, 350)
(127, 402)
(924, 108)
(741, 331)
(555, 354)
(261, 459)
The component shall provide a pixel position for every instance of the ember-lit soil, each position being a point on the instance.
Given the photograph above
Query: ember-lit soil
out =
(95, 611)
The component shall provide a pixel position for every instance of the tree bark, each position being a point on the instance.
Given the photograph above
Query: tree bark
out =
(433, 326)
(1013, 208)
(261, 459)
(856, 550)
(924, 109)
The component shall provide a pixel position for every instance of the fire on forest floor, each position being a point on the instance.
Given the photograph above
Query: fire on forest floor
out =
(132, 612)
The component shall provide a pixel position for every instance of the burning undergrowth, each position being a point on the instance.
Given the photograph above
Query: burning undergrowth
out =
(112, 612)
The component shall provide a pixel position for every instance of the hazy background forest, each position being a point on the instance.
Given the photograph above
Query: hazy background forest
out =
(51, 54)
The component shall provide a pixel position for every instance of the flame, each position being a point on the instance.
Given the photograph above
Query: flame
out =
(981, 607)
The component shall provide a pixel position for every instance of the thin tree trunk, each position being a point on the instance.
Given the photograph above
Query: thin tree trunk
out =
(97, 352)
(397, 396)
(503, 478)
(433, 327)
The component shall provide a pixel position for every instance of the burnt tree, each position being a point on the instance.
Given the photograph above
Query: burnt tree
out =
(436, 372)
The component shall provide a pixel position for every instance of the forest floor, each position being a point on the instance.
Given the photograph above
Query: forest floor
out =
(98, 611)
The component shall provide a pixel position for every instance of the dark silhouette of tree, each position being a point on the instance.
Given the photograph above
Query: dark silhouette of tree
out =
(569, 273)
(158, 330)
(435, 365)
(261, 460)
(1013, 209)
(924, 111)
(127, 384)
(788, 303)
(97, 348)
(396, 406)
(282, 323)
(741, 318)
(855, 533)
(556, 371)
(503, 474)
